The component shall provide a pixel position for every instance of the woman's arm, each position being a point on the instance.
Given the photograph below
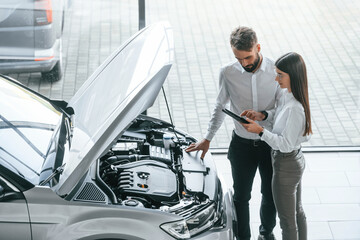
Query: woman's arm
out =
(285, 141)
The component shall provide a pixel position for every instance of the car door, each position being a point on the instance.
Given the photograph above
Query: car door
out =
(14, 217)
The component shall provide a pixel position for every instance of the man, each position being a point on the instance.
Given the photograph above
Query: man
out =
(247, 83)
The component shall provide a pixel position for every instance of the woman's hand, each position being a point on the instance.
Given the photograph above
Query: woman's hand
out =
(252, 126)
(253, 115)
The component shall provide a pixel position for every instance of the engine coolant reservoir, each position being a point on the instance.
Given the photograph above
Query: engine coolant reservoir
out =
(168, 141)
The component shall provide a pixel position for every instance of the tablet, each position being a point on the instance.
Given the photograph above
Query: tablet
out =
(235, 116)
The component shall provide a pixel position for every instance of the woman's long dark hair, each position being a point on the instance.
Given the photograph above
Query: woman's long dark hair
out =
(294, 65)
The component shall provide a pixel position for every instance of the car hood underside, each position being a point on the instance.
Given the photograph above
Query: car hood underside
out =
(124, 86)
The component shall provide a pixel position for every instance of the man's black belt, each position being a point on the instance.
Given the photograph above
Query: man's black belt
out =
(252, 142)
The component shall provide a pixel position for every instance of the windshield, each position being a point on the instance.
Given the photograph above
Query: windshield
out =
(27, 122)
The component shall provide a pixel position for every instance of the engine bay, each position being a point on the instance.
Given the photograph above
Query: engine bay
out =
(148, 167)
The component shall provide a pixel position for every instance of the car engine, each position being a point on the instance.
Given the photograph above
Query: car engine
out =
(148, 167)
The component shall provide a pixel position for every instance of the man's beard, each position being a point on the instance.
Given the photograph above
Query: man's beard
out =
(252, 67)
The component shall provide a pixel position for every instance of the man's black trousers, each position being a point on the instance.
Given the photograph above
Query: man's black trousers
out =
(246, 156)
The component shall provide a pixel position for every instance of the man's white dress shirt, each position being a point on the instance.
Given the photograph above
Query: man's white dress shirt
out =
(289, 125)
(243, 90)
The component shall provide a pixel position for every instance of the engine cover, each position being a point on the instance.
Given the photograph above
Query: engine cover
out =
(154, 182)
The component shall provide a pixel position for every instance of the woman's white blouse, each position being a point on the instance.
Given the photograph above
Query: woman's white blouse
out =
(289, 125)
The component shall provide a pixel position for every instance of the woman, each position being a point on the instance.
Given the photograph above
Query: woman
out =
(292, 126)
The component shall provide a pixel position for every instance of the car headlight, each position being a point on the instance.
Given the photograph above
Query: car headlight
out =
(196, 223)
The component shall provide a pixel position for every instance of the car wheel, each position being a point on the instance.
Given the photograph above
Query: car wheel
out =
(55, 74)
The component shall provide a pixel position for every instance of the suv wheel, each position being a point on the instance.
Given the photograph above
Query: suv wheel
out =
(55, 74)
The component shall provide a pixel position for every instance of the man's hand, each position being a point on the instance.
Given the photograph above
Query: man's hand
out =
(253, 115)
(252, 127)
(203, 145)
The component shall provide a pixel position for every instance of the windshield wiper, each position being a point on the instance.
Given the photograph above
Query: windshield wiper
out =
(17, 159)
(22, 136)
(57, 171)
(22, 175)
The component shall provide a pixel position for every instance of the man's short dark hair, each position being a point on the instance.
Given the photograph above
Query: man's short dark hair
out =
(243, 38)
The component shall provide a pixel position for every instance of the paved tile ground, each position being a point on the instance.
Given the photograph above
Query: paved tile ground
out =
(325, 32)
(331, 195)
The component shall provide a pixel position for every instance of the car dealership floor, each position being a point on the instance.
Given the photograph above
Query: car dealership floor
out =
(325, 32)
(331, 194)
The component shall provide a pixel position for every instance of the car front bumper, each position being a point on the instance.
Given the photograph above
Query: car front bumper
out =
(226, 232)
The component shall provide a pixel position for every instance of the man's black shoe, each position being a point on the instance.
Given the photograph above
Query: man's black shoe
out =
(267, 237)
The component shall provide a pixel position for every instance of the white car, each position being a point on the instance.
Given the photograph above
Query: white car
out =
(96, 168)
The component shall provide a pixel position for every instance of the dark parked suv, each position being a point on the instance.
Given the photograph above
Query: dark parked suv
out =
(30, 37)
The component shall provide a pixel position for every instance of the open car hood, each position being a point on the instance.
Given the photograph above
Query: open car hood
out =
(124, 86)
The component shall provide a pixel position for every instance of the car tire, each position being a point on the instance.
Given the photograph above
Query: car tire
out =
(55, 74)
